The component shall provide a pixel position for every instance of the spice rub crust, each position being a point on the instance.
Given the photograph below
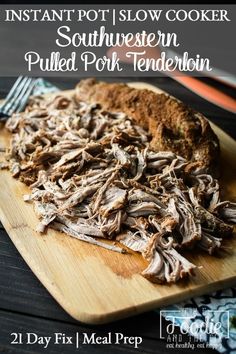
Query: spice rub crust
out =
(172, 125)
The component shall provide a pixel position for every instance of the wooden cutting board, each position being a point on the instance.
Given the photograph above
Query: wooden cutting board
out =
(95, 285)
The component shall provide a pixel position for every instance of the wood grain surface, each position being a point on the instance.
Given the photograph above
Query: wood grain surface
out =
(95, 285)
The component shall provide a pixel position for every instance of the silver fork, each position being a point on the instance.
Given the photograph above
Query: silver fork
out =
(17, 97)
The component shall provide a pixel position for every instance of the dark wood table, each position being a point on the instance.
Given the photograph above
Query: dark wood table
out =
(26, 306)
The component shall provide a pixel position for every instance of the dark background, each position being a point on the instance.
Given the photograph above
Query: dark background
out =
(26, 306)
(114, 2)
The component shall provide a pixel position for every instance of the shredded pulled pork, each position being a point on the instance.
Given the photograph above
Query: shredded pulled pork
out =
(93, 176)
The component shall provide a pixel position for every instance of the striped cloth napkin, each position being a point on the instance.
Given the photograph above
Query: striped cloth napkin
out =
(208, 318)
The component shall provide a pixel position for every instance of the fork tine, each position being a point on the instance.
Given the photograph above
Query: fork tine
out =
(26, 96)
(21, 96)
(16, 83)
(14, 96)
(12, 92)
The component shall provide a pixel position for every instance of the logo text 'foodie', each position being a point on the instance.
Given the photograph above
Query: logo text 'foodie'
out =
(186, 328)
